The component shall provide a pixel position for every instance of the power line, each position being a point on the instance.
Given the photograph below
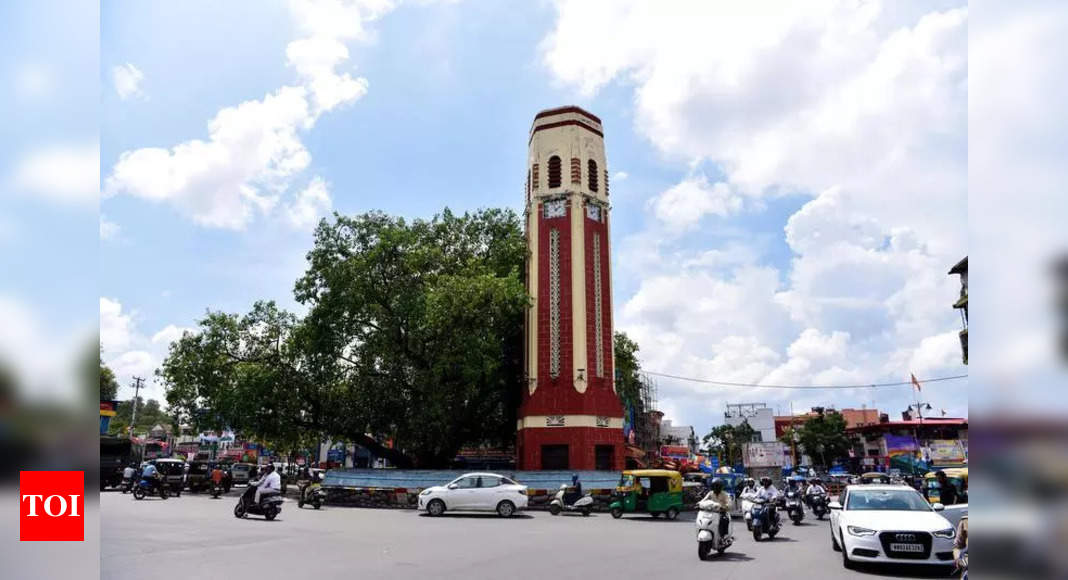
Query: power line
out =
(802, 387)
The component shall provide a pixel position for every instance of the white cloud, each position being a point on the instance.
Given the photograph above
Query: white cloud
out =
(116, 327)
(108, 229)
(619, 176)
(683, 205)
(34, 81)
(863, 110)
(65, 173)
(46, 362)
(254, 149)
(169, 334)
(310, 204)
(127, 80)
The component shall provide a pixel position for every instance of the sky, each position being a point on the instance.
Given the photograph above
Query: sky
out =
(789, 180)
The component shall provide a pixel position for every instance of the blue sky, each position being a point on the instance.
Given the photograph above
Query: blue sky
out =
(789, 210)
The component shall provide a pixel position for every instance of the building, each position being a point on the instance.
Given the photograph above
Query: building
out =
(759, 416)
(678, 436)
(913, 446)
(570, 416)
(961, 268)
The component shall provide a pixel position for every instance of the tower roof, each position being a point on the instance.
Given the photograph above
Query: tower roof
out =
(567, 109)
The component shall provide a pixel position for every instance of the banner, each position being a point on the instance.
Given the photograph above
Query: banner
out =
(766, 454)
(946, 451)
(676, 451)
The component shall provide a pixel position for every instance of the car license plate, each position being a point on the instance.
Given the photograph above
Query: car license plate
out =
(906, 548)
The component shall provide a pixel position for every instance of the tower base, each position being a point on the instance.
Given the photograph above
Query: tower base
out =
(569, 448)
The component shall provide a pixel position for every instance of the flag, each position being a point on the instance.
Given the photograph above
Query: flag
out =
(915, 382)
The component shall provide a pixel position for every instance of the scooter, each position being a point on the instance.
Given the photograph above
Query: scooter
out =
(269, 505)
(713, 529)
(818, 502)
(765, 519)
(583, 504)
(216, 490)
(794, 508)
(747, 512)
(127, 484)
(146, 487)
(312, 493)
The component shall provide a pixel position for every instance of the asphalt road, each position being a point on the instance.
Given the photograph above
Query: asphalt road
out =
(196, 537)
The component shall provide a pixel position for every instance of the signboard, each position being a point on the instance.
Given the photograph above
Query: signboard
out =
(676, 451)
(946, 451)
(764, 454)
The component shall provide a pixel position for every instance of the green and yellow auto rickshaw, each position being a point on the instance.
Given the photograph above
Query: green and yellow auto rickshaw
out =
(958, 476)
(653, 491)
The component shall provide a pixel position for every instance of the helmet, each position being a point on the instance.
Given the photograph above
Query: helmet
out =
(750, 482)
(717, 485)
(765, 481)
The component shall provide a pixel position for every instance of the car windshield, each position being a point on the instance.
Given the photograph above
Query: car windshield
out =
(887, 500)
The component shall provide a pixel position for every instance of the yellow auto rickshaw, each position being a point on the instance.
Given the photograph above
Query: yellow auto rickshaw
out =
(958, 476)
(874, 477)
(653, 491)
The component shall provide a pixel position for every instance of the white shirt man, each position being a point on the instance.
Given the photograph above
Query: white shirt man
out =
(270, 482)
(129, 472)
(815, 489)
(768, 493)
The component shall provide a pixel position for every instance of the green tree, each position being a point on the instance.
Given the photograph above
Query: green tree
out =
(109, 387)
(428, 316)
(823, 437)
(728, 442)
(628, 377)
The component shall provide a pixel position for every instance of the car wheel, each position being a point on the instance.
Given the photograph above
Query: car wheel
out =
(834, 543)
(617, 513)
(505, 509)
(703, 548)
(554, 509)
(435, 507)
(672, 513)
(846, 562)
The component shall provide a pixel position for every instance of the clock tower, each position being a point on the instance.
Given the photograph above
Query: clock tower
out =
(570, 417)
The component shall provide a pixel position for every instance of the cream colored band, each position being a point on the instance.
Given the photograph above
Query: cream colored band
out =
(551, 421)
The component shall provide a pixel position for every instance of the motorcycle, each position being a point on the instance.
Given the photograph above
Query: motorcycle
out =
(216, 490)
(312, 493)
(713, 529)
(269, 506)
(147, 487)
(794, 508)
(127, 484)
(818, 502)
(765, 519)
(560, 503)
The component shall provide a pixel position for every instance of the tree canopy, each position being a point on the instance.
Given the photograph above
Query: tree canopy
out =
(823, 437)
(728, 441)
(413, 334)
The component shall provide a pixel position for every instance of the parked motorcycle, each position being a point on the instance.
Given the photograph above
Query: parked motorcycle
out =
(818, 502)
(765, 519)
(794, 508)
(269, 506)
(147, 487)
(563, 501)
(713, 529)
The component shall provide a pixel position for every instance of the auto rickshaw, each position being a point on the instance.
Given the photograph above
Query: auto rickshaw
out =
(958, 476)
(653, 491)
(874, 477)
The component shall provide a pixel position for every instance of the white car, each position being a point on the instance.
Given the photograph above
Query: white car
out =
(475, 492)
(890, 524)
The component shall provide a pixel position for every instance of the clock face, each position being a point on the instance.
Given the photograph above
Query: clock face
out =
(555, 209)
(593, 212)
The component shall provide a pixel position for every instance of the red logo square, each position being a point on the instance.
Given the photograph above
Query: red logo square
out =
(51, 506)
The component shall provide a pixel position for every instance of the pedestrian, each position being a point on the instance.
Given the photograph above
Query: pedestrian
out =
(947, 492)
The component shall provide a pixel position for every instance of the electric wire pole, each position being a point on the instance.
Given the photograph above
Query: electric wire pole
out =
(138, 381)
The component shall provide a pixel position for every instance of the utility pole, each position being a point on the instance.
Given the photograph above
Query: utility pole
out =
(138, 382)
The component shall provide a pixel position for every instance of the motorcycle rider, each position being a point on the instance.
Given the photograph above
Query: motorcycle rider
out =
(769, 494)
(271, 483)
(128, 476)
(749, 488)
(815, 487)
(217, 476)
(721, 499)
(575, 493)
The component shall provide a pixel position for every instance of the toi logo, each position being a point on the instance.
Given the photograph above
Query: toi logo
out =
(51, 506)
